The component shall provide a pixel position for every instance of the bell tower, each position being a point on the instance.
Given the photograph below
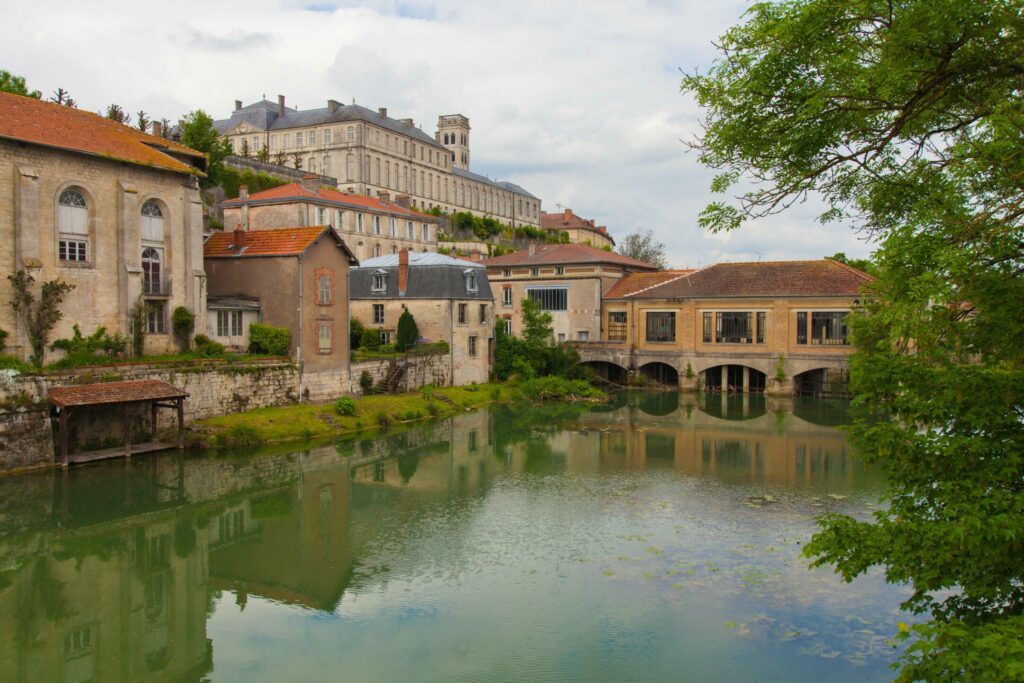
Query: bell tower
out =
(453, 134)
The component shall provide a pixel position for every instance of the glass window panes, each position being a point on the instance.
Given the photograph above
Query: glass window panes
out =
(550, 298)
(661, 326)
(378, 314)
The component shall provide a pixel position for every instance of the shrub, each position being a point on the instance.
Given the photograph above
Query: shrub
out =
(386, 348)
(355, 333)
(689, 371)
(183, 322)
(433, 408)
(345, 406)
(558, 388)
(240, 436)
(366, 382)
(273, 341)
(370, 339)
(407, 333)
(495, 393)
(204, 346)
(383, 419)
(3, 339)
(12, 363)
(780, 369)
(81, 350)
(428, 391)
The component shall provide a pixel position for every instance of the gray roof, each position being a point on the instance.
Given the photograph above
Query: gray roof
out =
(501, 184)
(425, 282)
(264, 116)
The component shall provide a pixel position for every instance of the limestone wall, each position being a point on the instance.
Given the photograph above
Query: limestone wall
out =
(26, 439)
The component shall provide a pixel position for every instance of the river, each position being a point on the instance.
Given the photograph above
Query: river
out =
(654, 539)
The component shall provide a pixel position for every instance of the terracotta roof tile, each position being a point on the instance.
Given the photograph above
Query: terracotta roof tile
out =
(824, 277)
(277, 242)
(54, 125)
(636, 282)
(113, 392)
(295, 191)
(565, 254)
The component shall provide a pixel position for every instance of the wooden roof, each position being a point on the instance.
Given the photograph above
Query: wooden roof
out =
(111, 393)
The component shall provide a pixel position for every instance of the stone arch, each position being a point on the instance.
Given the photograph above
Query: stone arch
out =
(660, 372)
(607, 370)
(733, 378)
(823, 382)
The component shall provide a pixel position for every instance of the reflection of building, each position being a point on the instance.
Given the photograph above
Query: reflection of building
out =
(104, 207)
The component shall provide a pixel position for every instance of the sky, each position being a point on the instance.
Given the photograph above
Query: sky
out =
(578, 102)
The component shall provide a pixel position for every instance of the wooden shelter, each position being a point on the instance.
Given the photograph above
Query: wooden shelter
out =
(123, 395)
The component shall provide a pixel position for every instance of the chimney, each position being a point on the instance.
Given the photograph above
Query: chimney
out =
(158, 129)
(280, 105)
(408, 122)
(333, 106)
(383, 195)
(243, 191)
(239, 239)
(567, 215)
(238, 105)
(533, 248)
(383, 111)
(311, 182)
(403, 200)
(602, 229)
(403, 271)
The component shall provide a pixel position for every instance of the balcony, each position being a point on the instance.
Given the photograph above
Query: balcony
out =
(156, 289)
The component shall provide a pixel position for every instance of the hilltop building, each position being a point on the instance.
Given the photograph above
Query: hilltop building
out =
(371, 226)
(371, 153)
(102, 206)
(567, 280)
(577, 229)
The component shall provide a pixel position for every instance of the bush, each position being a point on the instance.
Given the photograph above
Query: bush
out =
(433, 408)
(355, 333)
(183, 322)
(3, 339)
(240, 436)
(345, 406)
(366, 382)
(370, 340)
(204, 346)
(558, 388)
(408, 333)
(383, 419)
(495, 393)
(273, 341)
(12, 363)
(98, 346)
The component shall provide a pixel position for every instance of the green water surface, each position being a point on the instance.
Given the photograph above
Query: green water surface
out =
(653, 539)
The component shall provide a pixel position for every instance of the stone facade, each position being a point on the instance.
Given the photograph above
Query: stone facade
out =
(26, 438)
(109, 279)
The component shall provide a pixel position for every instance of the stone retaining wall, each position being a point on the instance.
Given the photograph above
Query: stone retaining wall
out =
(26, 438)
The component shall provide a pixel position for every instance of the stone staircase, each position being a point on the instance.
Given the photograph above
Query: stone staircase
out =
(392, 380)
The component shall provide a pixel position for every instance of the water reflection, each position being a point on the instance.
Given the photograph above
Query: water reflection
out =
(141, 570)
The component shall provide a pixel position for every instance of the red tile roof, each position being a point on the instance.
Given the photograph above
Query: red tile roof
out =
(632, 283)
(113, 392)
(263, 243)
(53, 125)
(565, 254)
(764, 278)
(567, 219)
(296, 192)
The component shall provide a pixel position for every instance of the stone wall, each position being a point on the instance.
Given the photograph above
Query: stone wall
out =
(26, 439)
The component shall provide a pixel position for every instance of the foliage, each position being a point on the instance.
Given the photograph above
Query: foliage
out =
(534, 354)
(3, 339)
(780, 369)
(197, 132)
(142, 121)
(183, 322)
(297, 161)
(366, 382)
(39, 316)
(864, 264)
(370, 340)
(273, 341)
(383, 418)
(345, 406)
(16, 85)
(231, 179)
(245, 152)
(204, 346)
(642, 245)
(63, 97)
(407, 332)
(355, 333)
(137, 319)
(906, 120)
(689, 371)
(81, 350)
(559, 389)
(116, 113)
(263, 154)
(12, 363)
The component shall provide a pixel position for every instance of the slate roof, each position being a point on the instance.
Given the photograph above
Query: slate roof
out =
(427, 280)
(326, 195)
(501, 184)
(565, 254)
(108, 393)
(636, 282)
(270, 243)
(824, 278)
(53, 125)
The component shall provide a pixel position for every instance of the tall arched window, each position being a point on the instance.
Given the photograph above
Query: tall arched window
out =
(152, 234)
(394, 249)
(376, 250)
(151, 281)
(72, 226)
(152, 222)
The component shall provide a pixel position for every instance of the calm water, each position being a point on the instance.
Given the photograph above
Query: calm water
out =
(656, 539)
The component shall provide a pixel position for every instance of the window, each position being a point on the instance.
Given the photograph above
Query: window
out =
(410, 232)
(550, 298)
(73, 226)
(385, 336)
(312, 137)
(152, 283)
(339, 219)
(378, 314)
(733, 327)
(325, 337)
(351, 134)
(559, 270)
(321, 215)
(617, 325)
(707, 327)
(155, 317)
(506, 296)
(761, 320)
(661, 326)
(534, 272)
(229, 323)
(324, 289)
(298, 139)
(327, 136)
(78, 642)
(152, 222)
(483, 313)
(507, 272)
(828, 328)
(471, 281)
(359, 222)
(425, 233)
(376, 225)
(561, 337)
(508, 325)
(376, 250)
(462, 314)
(379, 280)
(582, 335)
(287, 140)
(472, 345)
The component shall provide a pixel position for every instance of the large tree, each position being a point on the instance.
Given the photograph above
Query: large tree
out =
(197, 132)
(907, 119)
(16, 85)
(642, 245)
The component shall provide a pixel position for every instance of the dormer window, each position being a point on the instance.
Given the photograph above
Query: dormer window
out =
(380, 282)
(471, 281)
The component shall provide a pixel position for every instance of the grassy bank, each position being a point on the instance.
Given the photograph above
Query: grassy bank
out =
(315, 421)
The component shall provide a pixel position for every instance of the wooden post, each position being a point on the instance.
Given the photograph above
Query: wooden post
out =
(127, 431)
(152, 412)
(64, 437)
(181, 423)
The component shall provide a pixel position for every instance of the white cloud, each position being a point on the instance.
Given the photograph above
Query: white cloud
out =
(578, 102)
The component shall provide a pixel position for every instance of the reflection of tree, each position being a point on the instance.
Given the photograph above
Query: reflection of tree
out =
(519, 422)
(46, 591)
(407, 463)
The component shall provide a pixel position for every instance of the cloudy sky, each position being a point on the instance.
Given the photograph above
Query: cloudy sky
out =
(577, 102)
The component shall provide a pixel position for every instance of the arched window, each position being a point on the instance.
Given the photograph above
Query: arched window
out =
(394, 249)
(151, 270)
(376, 250)
(152, 222)
(72, 226)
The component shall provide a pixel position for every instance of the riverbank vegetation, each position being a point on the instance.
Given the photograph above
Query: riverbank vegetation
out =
(909, 128)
